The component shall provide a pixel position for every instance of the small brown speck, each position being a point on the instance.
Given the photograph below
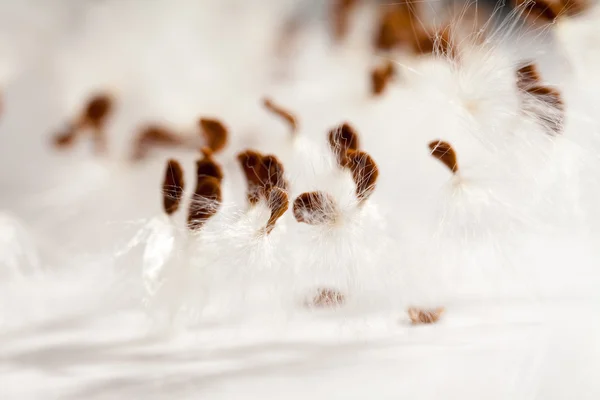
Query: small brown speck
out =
(421, 316)
(444, 152)
(173, 186)
(380, 77)
(282, 113)
(65, 139)
(215, 133)
(315, 208)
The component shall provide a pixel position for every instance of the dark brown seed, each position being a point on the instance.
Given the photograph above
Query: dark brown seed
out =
(205, 202)
(364, 172)
(421, 316)
(282, 113)
(315, 208)
(278, 203)
(529, 82)
(207, 166)
(341, 140)
(155, 136)
(172, 187)
(395, 27)
(445, 153)
(327, 298)
(528, 75)
(380, 76)
(262, 174)
(215, 133)
(93, 117)
(97, 110)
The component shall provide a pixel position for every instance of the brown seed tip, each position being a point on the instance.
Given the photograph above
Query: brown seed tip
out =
(364, 172)
(154, 136)
(64, 139)
(421, 316)
(551, 112)
(282, 113)
(278, 203)
(315, 208)
(97, 110)
(380, 76)
(262, 172)
(326, 297)
(207, 166)
(445, 153)
(341, 11)
(341, 140)
(395, 26)
(528, 75)
(215, 133)
(172, 187)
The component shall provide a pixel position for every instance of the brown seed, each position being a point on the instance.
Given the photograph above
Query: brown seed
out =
(93, 117)
(206, 199)
(364, 172)
(380, 76)
(278, 203)
(395, 26)
(315, 208)
(97, 110)
(341, 11)
(341, 140)
(528, 75)
(173, 186)
(551, 115)
(205, 202)
(215, 133)
(444, 152)
(421, 316)
(207, 166)
(262, 174)
(155, 136)
(65, 138)
(326, 297)
(282, 113)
